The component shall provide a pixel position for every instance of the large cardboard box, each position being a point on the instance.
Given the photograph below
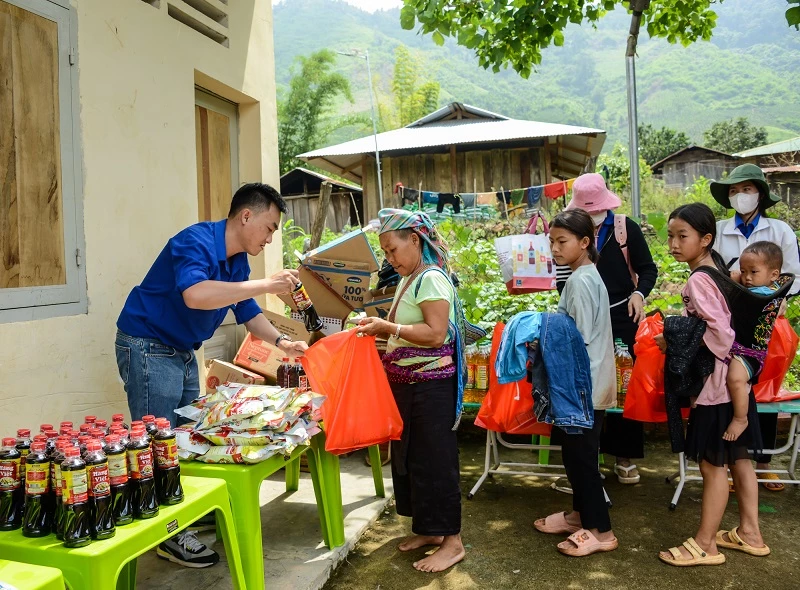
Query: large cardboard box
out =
(219, 372)
(345, 265)
(264, 358)
(327, 302)
(378, 302)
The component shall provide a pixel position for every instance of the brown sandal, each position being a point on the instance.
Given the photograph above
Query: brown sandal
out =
(698, 556)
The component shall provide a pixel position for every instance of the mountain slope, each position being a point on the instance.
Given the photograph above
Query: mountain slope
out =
(749, 69)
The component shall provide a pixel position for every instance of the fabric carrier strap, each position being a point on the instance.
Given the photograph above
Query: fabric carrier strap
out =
(412, 373)
(621, 235)
(759, 355)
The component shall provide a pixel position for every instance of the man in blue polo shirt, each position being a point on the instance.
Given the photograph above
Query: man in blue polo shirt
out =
(200, 274)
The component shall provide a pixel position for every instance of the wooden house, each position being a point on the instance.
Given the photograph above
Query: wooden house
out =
(780, 162)
(461, 148)
(681, 169)
(300, 188)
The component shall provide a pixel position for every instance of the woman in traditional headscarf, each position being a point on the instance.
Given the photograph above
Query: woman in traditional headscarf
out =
(425, 365)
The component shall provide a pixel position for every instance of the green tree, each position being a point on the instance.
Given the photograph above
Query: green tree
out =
(734, 136)
(616, 167)
(657, 144)
(514, 32)
(413, 99)
(305, 113)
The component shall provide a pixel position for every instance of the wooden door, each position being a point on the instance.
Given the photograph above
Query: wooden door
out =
(216, 141)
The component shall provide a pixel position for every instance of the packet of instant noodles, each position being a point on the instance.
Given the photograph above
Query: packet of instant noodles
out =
(240, 454)
(230, 411)
(190, 444)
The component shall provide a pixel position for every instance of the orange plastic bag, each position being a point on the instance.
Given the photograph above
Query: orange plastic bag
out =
(780, 354)
(644, 400)
(359, 410)
(508, 408)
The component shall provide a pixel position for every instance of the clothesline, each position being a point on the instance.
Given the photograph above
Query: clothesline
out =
(533, 195)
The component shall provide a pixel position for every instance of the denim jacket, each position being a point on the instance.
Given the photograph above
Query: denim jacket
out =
(562, 373)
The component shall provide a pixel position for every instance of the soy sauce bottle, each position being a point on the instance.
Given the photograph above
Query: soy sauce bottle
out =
(24, 448)
(311, 319)
(90, 420)
(57, 485)
(302, 379)
(38, 518)
(150, 425)
(140, 467)
(118, 420)
(168, 470)
(118, 476)
(282, 378)
(11, 491)
(43, 428)
(101, 521)
(76, 515)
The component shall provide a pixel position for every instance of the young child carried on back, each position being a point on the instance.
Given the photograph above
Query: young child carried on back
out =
(760, 267)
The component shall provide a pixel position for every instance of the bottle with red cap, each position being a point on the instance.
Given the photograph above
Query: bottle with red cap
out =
(150, 425)
(85, 428)
(66, 425)
(11, 490)
(52, 437)
(75, 496)
(43, 428)
(102, 425)
(119, 420)
(123, 435)
(24, 447)
(168, 470)
(83, 440)
(140, 467)
(38, 517)
(118, 476)
(90, 419)
(62, 444)
(101, 519)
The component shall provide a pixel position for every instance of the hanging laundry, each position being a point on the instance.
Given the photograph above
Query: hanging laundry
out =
(430, 197)
(410, 195)
(517, 195)
(486, 198)
(570, 182)
(468, 199)
(534, 195)
(503, 196)
(555, 190)
(448, 199)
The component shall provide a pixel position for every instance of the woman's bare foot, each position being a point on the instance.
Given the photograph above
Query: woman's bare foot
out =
(735, 429)
(449, 553)
(417, 541)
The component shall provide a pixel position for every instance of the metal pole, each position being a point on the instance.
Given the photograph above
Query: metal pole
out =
(375, 132)
(633, 135)
(637, 7)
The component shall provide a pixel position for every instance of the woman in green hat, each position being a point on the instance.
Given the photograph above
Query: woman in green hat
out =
(746, 191)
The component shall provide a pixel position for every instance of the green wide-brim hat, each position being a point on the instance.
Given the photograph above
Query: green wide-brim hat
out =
(751, 172)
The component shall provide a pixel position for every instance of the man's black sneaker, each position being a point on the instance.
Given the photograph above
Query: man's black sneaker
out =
(185, 549)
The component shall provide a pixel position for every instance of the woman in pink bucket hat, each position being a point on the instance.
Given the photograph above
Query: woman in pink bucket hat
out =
(629, 273)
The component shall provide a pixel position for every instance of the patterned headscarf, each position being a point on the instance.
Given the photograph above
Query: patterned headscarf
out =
(434, 250)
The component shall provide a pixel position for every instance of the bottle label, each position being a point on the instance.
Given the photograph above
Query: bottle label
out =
(166, 452)
(9, 474)
(303, 382)
(57, 479)
(482, 377)
(74, 486)
(470, 376)
(140, 463)
(99, 485)
(37, 479)
(624, 378)
(301, 298)
(118, 469)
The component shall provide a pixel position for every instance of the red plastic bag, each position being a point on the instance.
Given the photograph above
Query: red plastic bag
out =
(360, 410)
(509, 407)
(644, 400)
(780, 354)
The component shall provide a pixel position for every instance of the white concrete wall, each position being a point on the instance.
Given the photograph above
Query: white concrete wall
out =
(137, 70)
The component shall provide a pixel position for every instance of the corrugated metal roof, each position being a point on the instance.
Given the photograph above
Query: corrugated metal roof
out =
(451, 132)
(660, 163)
(322, 177)
(455, 108)
(779, 147)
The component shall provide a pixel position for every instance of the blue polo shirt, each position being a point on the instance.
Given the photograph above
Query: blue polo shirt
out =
(155, 309)
(746, 228)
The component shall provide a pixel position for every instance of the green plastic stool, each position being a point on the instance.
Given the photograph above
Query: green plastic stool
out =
(103, 565)
(24, 576)
(244, 485)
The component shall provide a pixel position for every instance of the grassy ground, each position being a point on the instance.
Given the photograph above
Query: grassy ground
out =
(505, 551)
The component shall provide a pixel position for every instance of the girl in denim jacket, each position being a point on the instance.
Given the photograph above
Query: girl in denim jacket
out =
(585, 299)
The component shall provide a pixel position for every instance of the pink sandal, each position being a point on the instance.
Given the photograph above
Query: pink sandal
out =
(585, 543)
(556, 524)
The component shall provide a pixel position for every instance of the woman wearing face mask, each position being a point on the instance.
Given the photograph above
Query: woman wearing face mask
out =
(746, 191)
(628, 281)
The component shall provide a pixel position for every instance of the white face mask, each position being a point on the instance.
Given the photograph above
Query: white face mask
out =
(744, 203)
(598, 218)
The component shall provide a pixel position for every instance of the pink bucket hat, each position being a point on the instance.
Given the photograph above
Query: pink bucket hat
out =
(589, 193)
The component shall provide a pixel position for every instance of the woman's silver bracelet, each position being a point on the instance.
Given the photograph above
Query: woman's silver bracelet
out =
(397, 332)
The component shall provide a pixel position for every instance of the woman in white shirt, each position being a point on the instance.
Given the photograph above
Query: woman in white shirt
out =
(746, 191)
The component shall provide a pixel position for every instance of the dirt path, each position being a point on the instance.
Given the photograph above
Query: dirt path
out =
(505, 551)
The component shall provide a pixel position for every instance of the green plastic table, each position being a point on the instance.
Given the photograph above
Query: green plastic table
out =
(102, 565)
(244, 484)
(24, 576)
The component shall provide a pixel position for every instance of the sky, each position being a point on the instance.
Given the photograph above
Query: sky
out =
(368, 5)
